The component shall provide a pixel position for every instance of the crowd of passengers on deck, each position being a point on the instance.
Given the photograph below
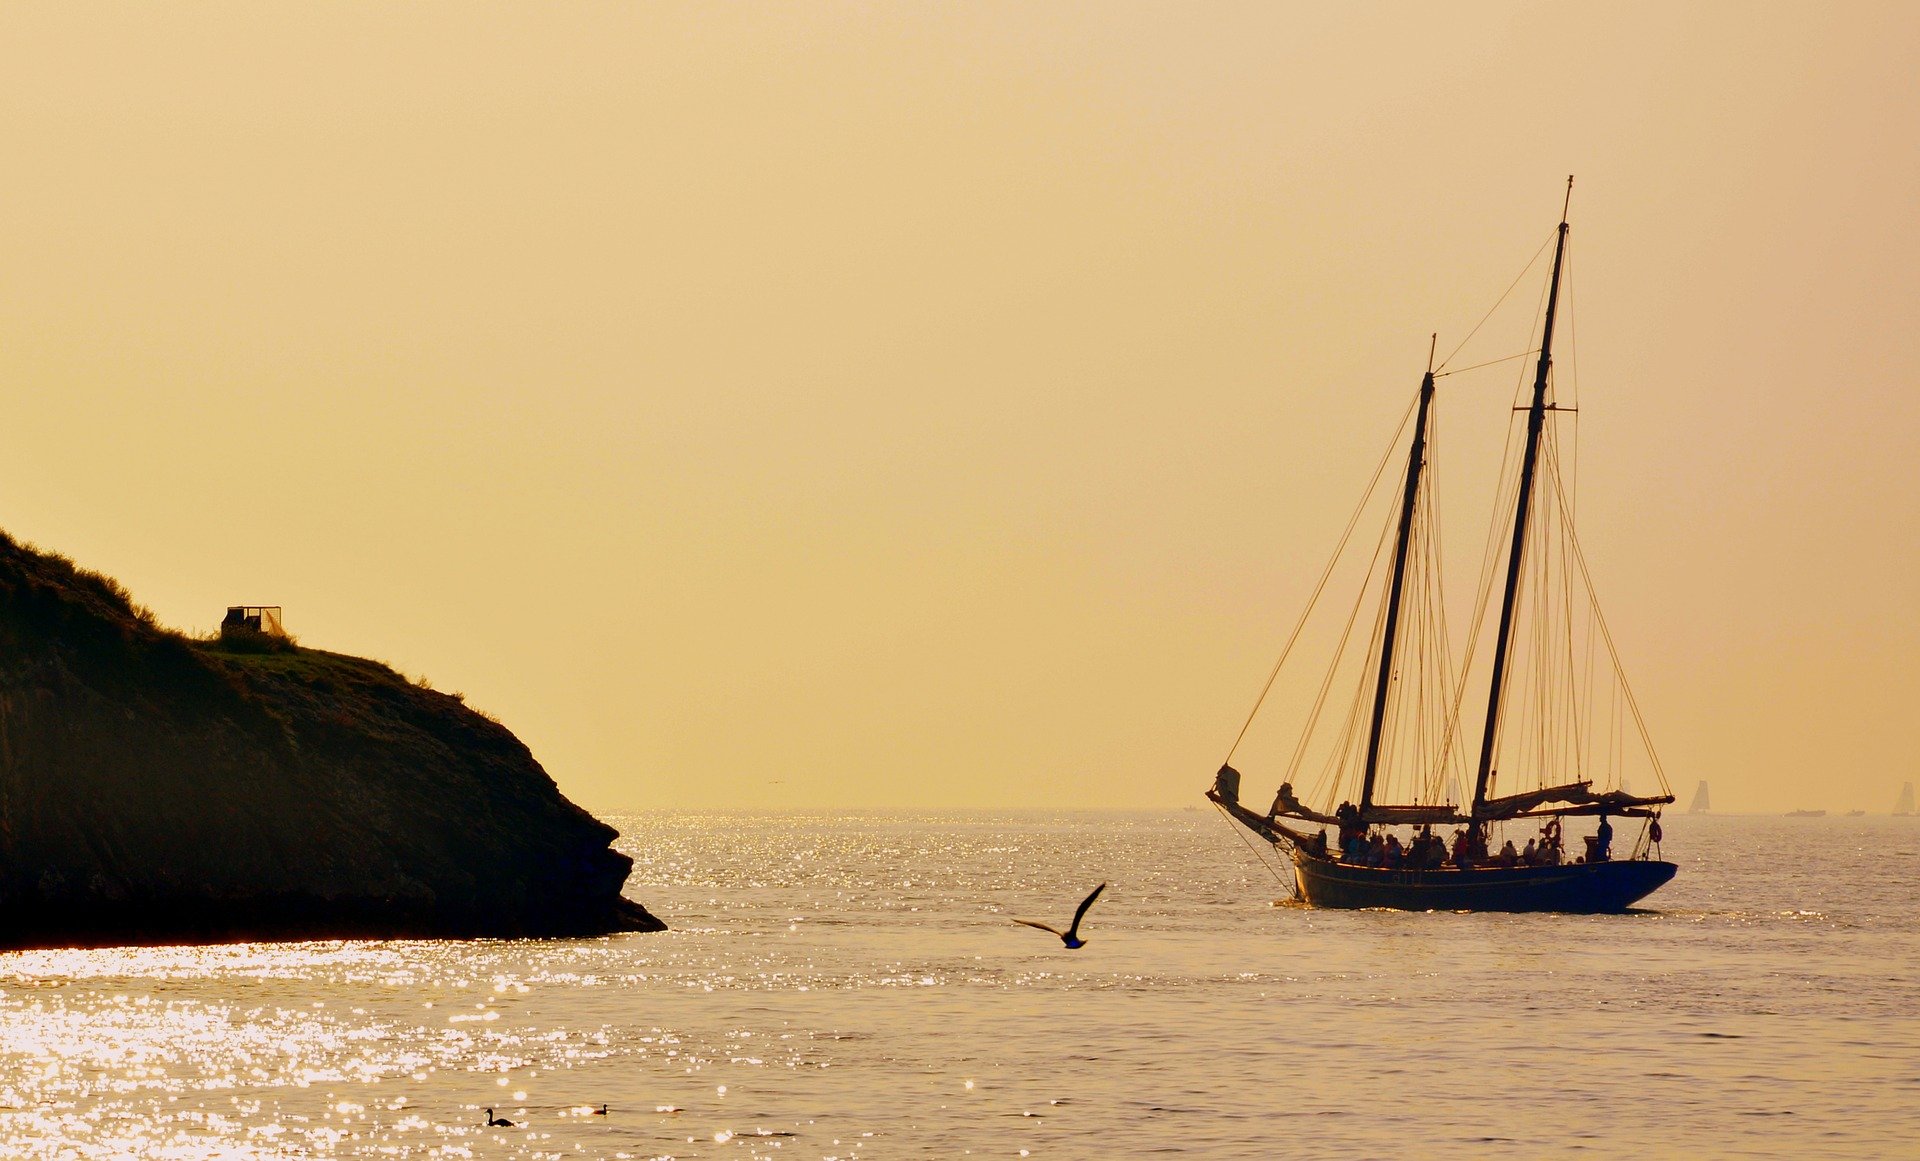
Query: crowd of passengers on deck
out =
(1361, 846)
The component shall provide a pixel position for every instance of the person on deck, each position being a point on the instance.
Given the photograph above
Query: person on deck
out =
(1508, 857)
(1550, 843)
(1530, 856)
(1396, 854)
(1603, 841)
(1353, 832)
(1462, 849)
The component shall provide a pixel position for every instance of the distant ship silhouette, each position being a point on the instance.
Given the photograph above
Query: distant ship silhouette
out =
(1700, 803)
(1904, 806)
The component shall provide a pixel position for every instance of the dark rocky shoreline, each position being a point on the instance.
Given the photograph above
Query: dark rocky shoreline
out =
(160, 789)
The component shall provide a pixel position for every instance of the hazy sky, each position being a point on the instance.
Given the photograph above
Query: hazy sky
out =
(899, 404)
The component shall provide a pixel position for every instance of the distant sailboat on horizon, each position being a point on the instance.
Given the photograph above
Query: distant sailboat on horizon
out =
(1904, 807)
(1700, 804)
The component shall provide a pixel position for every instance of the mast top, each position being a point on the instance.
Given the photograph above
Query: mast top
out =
(1568, 204)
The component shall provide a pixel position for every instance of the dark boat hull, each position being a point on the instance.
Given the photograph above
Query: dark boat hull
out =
(1575, 887)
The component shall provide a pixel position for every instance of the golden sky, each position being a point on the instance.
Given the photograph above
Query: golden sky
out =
(951, 405)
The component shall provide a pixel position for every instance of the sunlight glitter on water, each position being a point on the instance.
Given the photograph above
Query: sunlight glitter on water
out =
(852, 988)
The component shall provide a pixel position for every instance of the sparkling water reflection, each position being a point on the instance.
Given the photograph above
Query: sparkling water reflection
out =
(850, 987)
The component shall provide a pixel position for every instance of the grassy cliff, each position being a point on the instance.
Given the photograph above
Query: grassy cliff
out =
(159, 788)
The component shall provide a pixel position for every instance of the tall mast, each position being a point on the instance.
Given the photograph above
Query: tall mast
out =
(1416, 458)
(1536, 419)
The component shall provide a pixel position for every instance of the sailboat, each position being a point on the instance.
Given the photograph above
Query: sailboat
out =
(1904, 807)
(1701, 804)
(1403, 726)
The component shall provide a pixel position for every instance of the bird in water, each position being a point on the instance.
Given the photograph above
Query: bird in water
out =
(494, 1122)
(1071, 936)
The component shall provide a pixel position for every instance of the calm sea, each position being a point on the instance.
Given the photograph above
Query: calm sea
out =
(849, 986)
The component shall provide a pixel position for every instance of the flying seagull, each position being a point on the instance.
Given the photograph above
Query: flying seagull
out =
(1071, 936)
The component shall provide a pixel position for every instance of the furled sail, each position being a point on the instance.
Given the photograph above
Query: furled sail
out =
(1411, 815)
(1573, 794)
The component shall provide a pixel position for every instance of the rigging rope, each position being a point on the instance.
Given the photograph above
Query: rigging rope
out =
(1483, 588)
(1488, 363)
(1332, 770)
(1496, 306)
(1613, 654)
(1292, 885)
(1337, 550)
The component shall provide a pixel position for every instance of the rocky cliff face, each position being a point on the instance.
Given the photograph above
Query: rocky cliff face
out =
(156, 788)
